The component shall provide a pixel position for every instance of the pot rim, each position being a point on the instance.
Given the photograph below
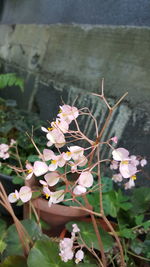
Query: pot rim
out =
(57, 209)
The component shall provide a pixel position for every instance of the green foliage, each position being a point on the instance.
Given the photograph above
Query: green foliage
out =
(11, 79)
(88, 235)
(12, 240)
(12, 261)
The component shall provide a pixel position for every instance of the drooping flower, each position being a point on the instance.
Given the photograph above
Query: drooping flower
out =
(79, 256)
(66, 249)
(130, 183)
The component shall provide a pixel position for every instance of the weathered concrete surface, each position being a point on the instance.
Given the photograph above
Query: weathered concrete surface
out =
(110, 12)
(80, 56)
(70, 60)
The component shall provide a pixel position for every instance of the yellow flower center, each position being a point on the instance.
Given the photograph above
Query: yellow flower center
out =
(54, 161)
(133, 177)
(68, 153)
(47, 196)
(125, 162)
(29, 171)
(50, 128)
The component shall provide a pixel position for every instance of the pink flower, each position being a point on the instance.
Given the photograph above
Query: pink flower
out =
(76, 152)
(57, 161)
(47, 154)
(52, 178)
(39, 168)
(134, 161)
(68, 113)
(24, 194)
(66, 249)
(61, 125)
(56, 197)
(120, 154)
(85, 179)
(117, 178)
(4, 151)
(79, 256)
(55, 137)
(79, 190)
(127, 169)
(114, 165)
(143, 162)
(114, 139)
(129, 184)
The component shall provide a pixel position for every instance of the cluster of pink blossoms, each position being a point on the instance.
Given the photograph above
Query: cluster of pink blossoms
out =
(4, 149)
(4, 154)
(127, 166)
(66, 246)
(74, 157)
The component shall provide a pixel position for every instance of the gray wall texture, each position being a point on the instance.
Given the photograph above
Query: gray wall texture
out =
(109, 12)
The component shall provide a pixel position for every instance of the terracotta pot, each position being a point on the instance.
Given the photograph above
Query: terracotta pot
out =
(57, 215)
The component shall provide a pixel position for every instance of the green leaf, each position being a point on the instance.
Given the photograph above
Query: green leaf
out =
(146, 225)
(139, 219)
(17, 180)
(14, 261)
(32, 158)
(88, 235)
(12, 240)
(137, 246)
(47, 253)
(109, 205)
(107, 184)
(140, 200)
(127, 233)
(3, 245)
(3, 227)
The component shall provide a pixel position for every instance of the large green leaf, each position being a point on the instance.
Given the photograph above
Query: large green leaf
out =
(12, 240)
(46, 253)
(14, 261)
(140, 200)
(88, 235)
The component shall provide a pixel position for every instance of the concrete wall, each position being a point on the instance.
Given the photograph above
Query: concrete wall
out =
(110, 12)
(70, 60)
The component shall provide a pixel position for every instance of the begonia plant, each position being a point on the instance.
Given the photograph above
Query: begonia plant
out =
(76, 153)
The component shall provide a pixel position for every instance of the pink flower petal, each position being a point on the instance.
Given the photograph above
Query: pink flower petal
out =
(52, 178)
(40, 168)
(85, 179)
(25, 193)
